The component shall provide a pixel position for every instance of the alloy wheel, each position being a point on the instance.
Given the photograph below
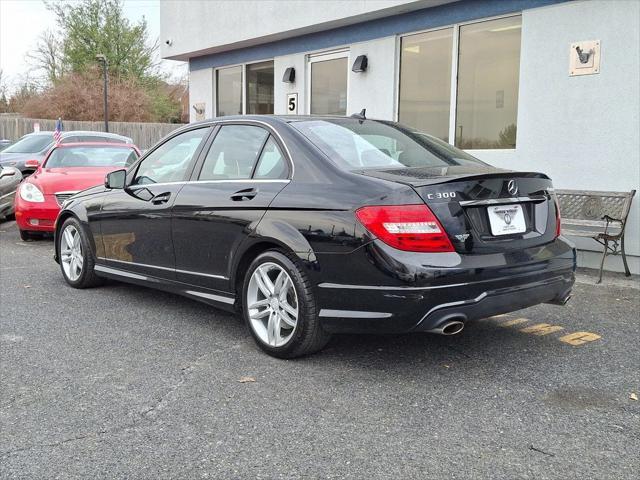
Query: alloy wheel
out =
(272, 303)
(71, 253)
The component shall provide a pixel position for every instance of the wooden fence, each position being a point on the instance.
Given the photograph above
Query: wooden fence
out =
(144, 135)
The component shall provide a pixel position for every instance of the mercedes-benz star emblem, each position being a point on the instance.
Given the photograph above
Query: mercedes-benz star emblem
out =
(512, 187)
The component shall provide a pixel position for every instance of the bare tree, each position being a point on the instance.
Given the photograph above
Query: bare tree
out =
(4, 103)
(47, 57)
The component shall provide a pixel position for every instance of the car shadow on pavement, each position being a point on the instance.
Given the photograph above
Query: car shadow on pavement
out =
(482, 341)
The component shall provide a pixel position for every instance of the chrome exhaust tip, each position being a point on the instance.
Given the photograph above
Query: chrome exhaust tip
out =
(561, 300)
(449, 327)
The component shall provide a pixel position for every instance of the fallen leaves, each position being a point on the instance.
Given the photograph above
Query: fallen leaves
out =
(633, 396)
(247, 379)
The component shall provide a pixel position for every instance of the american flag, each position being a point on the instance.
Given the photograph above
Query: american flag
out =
(57, 135)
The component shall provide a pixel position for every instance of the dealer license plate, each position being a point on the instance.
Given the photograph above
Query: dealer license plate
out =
(506, 219)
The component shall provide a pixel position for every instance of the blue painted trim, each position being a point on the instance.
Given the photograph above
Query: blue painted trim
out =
(424, 19)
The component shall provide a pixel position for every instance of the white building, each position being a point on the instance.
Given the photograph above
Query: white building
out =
(500, 78)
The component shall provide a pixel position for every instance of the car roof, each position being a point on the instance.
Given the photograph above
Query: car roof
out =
(92, 133)
(96, 144)
(271, 119)
(71, 133)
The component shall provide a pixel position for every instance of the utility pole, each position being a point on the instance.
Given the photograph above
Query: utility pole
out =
(102, 59)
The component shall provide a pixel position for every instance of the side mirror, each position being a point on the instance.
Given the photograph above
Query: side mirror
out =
(33, 163)
(116, 179)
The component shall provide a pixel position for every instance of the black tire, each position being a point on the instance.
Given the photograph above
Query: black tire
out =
(308, 337)
(88, 277)
(27, 236)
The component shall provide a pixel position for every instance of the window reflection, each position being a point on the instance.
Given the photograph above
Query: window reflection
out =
(260, 88)
(425, 82)
(329, 87)
(488, 76)
(229, 91)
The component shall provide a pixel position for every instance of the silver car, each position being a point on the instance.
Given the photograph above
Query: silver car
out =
(10, 178)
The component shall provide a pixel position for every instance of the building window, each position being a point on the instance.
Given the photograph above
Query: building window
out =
(480, 62)
(245, 89)
(425, 82)
(328, 79)
(260, 88)
(488, 76)
(229, 91)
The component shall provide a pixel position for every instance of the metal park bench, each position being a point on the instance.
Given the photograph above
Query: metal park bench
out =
(598, 215)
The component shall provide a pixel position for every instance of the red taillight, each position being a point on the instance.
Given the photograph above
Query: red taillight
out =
(412, 228)
(558, 219)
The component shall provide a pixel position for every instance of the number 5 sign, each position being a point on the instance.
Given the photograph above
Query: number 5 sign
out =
(292, 103)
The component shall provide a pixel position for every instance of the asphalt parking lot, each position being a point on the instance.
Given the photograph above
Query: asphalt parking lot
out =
(125, 382)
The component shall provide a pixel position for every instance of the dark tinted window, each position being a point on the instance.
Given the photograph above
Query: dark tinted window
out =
(233, 152)
(171, 160)
(356, 145)
(91, 157)
(260, 88)
(31, 144)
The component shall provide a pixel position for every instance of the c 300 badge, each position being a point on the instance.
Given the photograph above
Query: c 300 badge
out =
(438, 195)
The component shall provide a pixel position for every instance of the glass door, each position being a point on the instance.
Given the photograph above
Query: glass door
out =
(328, 83)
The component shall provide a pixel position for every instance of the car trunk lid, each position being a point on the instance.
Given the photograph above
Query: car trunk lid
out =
(483, 209)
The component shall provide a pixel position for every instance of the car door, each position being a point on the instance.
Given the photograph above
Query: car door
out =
(135, 223)
(242, 171)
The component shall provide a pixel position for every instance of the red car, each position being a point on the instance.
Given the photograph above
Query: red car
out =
(66, 170)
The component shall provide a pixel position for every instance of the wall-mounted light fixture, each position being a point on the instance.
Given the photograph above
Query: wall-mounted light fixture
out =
(289, 75)
(360, 65)
(199, 109)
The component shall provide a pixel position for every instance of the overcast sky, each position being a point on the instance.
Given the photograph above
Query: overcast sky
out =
(22, 21)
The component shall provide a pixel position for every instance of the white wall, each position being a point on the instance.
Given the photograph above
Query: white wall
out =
(201, 91)
(583, 131)
(282, 89)
(202, 26)
(375, 88)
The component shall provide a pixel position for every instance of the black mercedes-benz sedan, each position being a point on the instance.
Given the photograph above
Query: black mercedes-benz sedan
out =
(309, 226)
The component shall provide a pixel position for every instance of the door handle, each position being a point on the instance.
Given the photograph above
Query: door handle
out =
(161, 198)
(246, 194)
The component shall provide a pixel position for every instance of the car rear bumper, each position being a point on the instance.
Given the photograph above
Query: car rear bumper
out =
(420, 295)
(37, 217)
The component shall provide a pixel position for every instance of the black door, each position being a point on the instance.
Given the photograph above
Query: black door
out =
(242, 172)
(135, 223)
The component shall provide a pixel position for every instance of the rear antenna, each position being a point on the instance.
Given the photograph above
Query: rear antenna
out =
(361, 115)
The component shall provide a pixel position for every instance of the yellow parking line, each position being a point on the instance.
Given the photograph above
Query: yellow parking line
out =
(542, 329)
(578, 338)
(515, 321)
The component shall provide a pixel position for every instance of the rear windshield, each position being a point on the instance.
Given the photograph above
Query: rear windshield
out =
(91, 157)
(356, 145)
(30, 144)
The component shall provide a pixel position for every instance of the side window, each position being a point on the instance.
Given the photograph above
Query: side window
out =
(233, 153)
(170, 162)
(272, 164)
